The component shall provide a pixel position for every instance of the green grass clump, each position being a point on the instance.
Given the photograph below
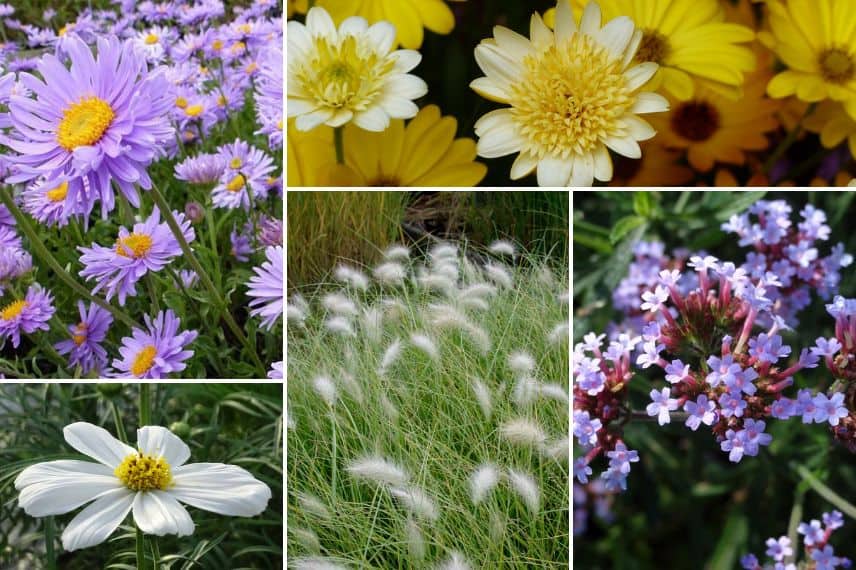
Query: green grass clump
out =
(324, 227)
(495, 392)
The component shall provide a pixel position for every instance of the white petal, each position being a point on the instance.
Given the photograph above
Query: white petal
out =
(340, 117)
(496, 65)
(616, 34)
(159, 513)
(512, 43)
(647, 102)
(539, 34)
(353, 26)
(299, 40)
(523, 165)
(638, 75)
(405, 59)
(583, 173)
(602, 164)
(300, 106)
(97, 443)
(638, 128)
(311, 120)
(624, 146)
(382, 35)
(590, 22)
(160, 442)
(219, 488)
(554, 171)
(497, 134)
(94, 524)
(319, 23)
(57, 487)
(399, 107)
(407, 86)
(373, 119)
(565, 24)
(488, 88)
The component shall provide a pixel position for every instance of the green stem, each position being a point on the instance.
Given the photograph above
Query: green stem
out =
(117, 419)
(141, 550)
(333, 463)
(166, 212)
(50, 554)
(153, 541)
(152, 293)
(339, 141)
(145, 404)
(42, 253)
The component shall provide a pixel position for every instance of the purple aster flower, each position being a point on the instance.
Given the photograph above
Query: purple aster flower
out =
(201, 169)
(812, 532)
(661, 405)
(155, 42)
(14, 262)
(246, 169)
(269, 94)
(150, 247)
(732, 405)
(581, 470)
(47, 204)
(266, 288)
(84, 346)
(833, 520)
(700, 411)
(26, 315)
(621, 458)
(101, 122)
(733, 444)
(270, 231)
(241, 248)
(768, 348)
(188, 278)
(9, 238)
(585, 428)
(830, 409)
(156, 352)
(777, 549)
(276, 371)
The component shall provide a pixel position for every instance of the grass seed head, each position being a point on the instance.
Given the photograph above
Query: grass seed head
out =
(378, 470)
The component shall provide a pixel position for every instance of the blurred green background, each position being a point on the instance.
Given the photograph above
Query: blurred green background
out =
(687, 506)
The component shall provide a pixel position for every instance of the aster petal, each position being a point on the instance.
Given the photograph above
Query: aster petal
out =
(497, 134)
(159, 513)
(405, 59)
(540, 35)
(354, 26)
(220, 488)
(97, 443)
(94, 524)
(160, 442)
(57, 487)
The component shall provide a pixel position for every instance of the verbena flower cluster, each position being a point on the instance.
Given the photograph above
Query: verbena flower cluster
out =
(819, 554)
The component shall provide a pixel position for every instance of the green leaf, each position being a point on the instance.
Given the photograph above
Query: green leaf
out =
(625, 225)
(642, 203)
(592, 242)
(848, 508)
(731, 542)
(739, 202)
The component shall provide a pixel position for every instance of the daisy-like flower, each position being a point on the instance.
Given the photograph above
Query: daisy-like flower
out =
(153, 480)
(149, 247)
(689, 39)
(84, 347)
(14, 262)
(573, 94)
(156, 352)
(268, 96)
(425, 152)
(349, 74)
(101, 122)
(47, 203)
(26, 315)
(817, 42)
(265, 288)
(247, 169)
(154, 42)
(834, 125)
(408, 16)
(201, 169)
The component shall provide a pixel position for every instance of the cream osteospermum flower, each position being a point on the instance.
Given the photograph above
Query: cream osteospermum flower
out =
(573, 94)
(349, 74)
(152, 480)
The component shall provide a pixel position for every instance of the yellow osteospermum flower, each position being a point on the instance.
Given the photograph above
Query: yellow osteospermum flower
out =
(349, 74)
(299, 6)
(833, 124)
(573, 94)
(423, 153)
(408, 16)
(816, 39)
(689, 39)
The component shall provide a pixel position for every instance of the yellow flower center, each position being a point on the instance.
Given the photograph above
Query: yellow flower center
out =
(836, 65)
(141, 472)
(59, 193)
(151, 39)
(653, 47)
(180, 102)
(236, 163)
(80, 334)
(696, 121)
(245, 28)
(238, 47)
(221, 101)
(251, 67)
(344, 75)
(13, 309)
(570, 97)
(217, 45)
(135, 245)
(83, 123)
(236, 184)
(193, 110)
(62, 31)
(143, 361)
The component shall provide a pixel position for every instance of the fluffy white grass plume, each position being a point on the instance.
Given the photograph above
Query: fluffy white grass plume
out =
(388, 408)
(307, 538)
(553, 391)
(499, 275)
(522, 431)
(339, 325)
(436, 282)
(546, 276)
(446, 316)
(502, 247)
(483, 481)
(397, 252)
(377, 470)
(393, 308)
(389, 273)
(448, 269)
(390, 355)
(310, 504)
(295, 314)
(317, 563)
(564, 297)
(521, 363)
(289, 421)
(352, 387)
(425, 344)
(326, 388)
(351, 276)
(455, 561)
(340, 304)
(525, 391)
(373, 324)
(498, 524)
(559, 449)
(417, 501)
(443, 252)
(483, 397)
(415, 540)
(558, 333)
(524, 485)
(476, 296)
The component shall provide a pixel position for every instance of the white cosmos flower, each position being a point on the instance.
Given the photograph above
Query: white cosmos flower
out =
(152, 480)
(573, 94)
(349, 74)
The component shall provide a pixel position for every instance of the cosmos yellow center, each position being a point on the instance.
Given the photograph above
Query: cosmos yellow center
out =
(836, 65)
(193, 110)
(344, 75)
(236, 184)
(135, 245)
(141, 472)
(143, 361)
(59, 193)
(653, 47)
(13, 309)
(79, 335)
(83, 123)
(151, 39)
(696, 121)
(569, 97)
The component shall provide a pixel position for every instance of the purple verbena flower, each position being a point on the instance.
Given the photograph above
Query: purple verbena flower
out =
(585, 428)
(779, 548)
(700, 411)
(830, 409)
(581, 470)
(661, 405)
